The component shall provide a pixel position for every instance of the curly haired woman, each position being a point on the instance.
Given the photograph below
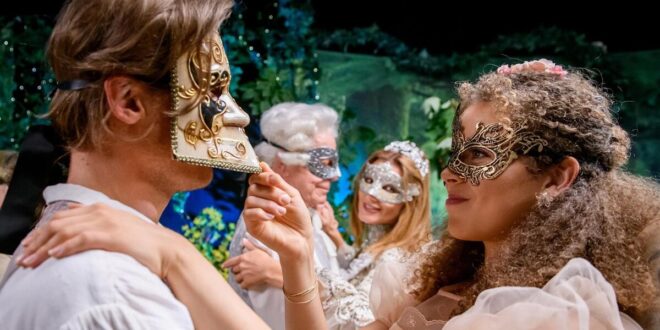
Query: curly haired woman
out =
(544, 224)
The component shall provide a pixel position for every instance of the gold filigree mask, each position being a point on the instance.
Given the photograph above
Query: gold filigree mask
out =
(490, 150)
(210, 128)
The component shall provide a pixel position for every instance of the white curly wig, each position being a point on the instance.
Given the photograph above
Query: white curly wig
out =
(294, 126)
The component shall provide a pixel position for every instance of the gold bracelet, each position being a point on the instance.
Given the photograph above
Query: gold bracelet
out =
(307, 291)
(312, 289)
(302, 302)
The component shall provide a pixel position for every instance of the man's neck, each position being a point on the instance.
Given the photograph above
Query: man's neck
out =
(119, 180)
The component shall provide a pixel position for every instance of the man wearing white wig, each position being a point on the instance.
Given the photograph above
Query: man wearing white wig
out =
(301, 147)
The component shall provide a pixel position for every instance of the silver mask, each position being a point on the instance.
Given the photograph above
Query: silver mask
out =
(385, 184)
(324, 163)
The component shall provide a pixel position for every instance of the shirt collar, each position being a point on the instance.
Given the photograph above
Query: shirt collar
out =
(83, 195)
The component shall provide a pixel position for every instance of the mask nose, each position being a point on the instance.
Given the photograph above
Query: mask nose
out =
(234, 116)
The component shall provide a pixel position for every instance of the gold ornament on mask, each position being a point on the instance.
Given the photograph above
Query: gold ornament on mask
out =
(490, 150)
(209, 127)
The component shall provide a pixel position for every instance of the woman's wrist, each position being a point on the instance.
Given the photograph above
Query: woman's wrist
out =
(337, 239)
(297, 248)
(298, 271)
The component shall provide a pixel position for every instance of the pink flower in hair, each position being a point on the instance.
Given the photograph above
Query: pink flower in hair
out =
(504, 69)
(538, 66)
(557, 69)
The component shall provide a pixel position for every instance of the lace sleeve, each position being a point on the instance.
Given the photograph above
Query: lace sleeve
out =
(356, 266)
(343, 302)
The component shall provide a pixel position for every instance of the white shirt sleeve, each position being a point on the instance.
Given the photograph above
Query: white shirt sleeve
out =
(90, 290)
(267, 301)
(109, 317)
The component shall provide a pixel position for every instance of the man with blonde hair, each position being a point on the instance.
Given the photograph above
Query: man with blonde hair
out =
(142, 101)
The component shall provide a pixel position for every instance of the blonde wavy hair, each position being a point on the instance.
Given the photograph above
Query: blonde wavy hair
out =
(413, 227)
(96, 39)
(599, 218)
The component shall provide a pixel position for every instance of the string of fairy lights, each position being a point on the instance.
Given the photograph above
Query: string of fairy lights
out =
(25, 87)
(257, 57)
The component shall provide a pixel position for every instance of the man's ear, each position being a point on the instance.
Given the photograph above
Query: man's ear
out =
(562, 176)
(279, 166)
(123, 96)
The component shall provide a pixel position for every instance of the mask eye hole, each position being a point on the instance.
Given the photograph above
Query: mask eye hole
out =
(391, 189)
(328, 162)
(477, 156)
(224, 80)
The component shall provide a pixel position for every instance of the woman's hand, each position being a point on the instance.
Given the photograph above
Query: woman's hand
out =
(327, 215)
(98, 226)
(276, 215)
(329, 224)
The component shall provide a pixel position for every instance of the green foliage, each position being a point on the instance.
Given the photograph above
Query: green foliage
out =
(342, 215)
(356, 139)
(211, 236)
(439, 118)
(275, 58)
(565, 46)
(370, 40)
(269, 89)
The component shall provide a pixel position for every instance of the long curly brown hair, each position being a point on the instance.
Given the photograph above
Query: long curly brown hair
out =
(599, 218)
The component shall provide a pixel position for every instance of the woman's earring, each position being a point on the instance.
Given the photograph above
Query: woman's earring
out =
(544, 199)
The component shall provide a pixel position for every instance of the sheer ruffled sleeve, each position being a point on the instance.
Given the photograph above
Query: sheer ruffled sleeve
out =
(389, 297)
(578, 298)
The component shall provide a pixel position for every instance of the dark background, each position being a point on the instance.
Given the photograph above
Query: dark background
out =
(622, 26)
(443, 27)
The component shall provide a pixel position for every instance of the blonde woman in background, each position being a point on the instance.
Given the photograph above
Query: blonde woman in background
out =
(390, 219)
